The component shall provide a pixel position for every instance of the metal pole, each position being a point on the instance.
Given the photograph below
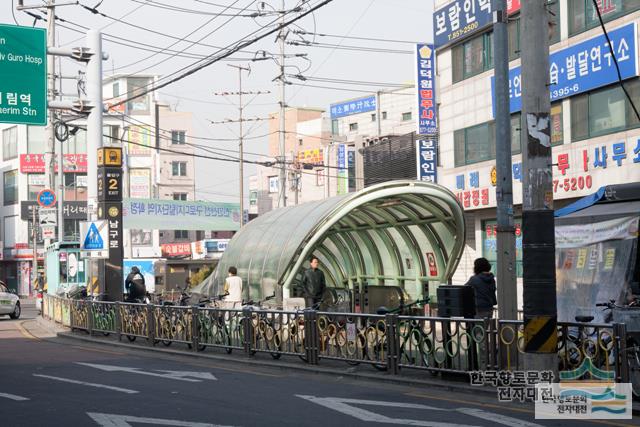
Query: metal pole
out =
(507, 291)
(94, 121)
(61, 192)
(283, 177)
(539, 292)
(34, 236)
(240, 148)
(50, 136)
(378, 114)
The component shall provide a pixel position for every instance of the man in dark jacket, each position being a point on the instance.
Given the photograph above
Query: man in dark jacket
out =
(134, 284)
(484, 286)
(313, 284)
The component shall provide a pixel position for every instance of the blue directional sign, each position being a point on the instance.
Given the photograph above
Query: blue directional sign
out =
(46, 198)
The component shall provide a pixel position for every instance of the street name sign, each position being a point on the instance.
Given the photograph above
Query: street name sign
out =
(23, 75)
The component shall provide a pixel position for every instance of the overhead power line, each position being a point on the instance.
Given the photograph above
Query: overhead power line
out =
(302, 32)
(198, 65)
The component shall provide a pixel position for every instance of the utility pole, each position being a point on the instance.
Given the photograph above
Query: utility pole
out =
(240, 122)
(50, 134)
(540, 312)
(507, 290)
(241, 138)
(282, 202)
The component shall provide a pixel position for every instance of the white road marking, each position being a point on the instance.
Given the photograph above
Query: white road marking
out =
(344, 406)
(115, 420)
(68, 380)
(497, 418)
(13, 397)
(195, 377)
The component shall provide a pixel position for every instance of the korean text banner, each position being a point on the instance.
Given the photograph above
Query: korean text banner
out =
(425, 59)
(355, 106)
(582, 67)
(179, 215)
(460, 19)
(427, 160)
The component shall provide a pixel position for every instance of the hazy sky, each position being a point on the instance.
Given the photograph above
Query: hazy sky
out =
(408, 20)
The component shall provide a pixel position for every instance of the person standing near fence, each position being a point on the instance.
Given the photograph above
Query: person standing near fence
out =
(484, 285)
(233, 289)
(313, 284)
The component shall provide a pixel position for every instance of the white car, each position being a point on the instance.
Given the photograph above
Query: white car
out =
(9, 302)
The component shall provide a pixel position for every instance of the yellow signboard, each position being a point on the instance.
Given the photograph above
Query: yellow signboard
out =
(110, 156)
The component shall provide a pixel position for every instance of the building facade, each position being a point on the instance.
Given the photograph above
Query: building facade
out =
(148, 174)
(595, 135)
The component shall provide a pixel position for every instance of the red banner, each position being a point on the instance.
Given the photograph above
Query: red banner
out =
(176, 249)
(513, 6)
(34, 163)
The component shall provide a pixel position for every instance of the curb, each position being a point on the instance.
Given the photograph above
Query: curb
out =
(385, 378)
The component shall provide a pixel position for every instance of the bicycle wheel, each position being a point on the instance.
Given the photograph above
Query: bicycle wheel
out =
(633, 359)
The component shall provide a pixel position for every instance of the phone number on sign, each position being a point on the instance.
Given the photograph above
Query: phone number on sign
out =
(454, 35)
(565, 91)
(573, 184)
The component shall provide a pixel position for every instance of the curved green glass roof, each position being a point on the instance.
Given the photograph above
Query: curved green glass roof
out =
(401, 233)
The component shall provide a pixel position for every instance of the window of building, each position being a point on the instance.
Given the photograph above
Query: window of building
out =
(110, 135)
(35, 139)
(11, 187)
(335, 129)
(373, 117)
(384, 115)
(353, 127)
(10, 143)
(472, 57)
(274, 184)
(178, 137)
(604, 111)
(406, 116)
(116, 89)
(181, 234)
(141, 237)
(514, 28)
(141, 104)
(583, 15)
(478, 143)
(179, 168)
(180, 196)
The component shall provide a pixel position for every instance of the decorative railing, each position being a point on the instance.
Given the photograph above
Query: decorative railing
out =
(387, 342)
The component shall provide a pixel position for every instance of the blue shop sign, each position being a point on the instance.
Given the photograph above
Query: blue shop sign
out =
(355, 106)
(582, 67)
(460, 19)
(427, 160)
(426, 71)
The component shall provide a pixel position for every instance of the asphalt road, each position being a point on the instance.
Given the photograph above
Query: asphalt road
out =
(49, 382)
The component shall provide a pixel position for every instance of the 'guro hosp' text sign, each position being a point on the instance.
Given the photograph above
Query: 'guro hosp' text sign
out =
(23, 75)
(582, 67)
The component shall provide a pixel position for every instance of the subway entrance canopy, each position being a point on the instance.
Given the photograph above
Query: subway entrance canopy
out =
(403, 233)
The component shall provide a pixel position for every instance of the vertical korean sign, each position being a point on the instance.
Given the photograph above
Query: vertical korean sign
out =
(343, 172)
(425, 57)
(23, 75)
(427, 161)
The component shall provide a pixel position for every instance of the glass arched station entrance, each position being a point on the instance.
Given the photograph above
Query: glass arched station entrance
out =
(398, 233)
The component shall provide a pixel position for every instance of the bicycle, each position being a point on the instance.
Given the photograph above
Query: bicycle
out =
(630, 316)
